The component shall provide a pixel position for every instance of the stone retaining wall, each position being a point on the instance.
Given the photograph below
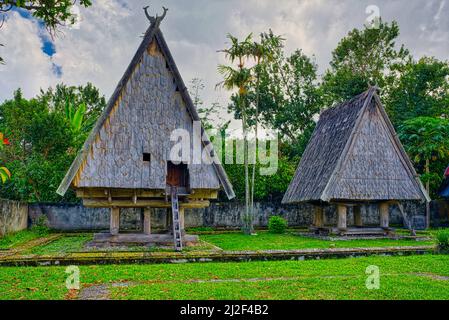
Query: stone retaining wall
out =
(13, 217)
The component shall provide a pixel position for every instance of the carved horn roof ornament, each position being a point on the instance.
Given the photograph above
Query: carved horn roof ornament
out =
(157, 19)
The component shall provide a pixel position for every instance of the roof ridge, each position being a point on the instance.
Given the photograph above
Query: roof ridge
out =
(360, 96)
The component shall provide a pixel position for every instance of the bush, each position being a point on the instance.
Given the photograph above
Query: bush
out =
(443, 240)
(277, 224)
(40, 226)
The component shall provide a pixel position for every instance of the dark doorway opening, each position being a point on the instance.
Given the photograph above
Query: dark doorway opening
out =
(177, 175)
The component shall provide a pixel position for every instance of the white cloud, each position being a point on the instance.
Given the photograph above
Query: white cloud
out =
(109, 34)
(26, 66)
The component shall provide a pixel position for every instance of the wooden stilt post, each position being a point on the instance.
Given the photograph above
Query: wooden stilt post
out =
(115, 221)
(318, 217)
(342, 217)
(182, 220)
(384, 215)
(358, 216)
(147, 221)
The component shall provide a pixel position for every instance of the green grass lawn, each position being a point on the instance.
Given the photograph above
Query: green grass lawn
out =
(76, 243)
(17, 239)
(411, 277)
(227, 241)
(63, 245)
(289, 241)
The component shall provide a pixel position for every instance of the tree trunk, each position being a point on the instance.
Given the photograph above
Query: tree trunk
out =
(247, 223)
(253, 179)
(428, 192)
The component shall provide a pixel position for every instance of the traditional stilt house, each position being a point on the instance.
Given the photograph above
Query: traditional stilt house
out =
(127, 161)
(353, 158)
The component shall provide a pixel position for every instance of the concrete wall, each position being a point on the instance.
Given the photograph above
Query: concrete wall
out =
(218, 215)
(13, 217)
(228, 215)
(439, 213)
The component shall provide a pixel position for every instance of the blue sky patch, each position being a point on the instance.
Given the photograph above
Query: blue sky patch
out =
(48, 46)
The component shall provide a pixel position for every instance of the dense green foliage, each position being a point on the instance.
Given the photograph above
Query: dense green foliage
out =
(421, 90)
(43, 142)
(426, 140)
(40, 226)
(363, 58)
(277, 225)
(268, 187)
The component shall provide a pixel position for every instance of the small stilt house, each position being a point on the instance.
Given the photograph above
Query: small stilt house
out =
(444, 189)
(353, 158)
(126, 161)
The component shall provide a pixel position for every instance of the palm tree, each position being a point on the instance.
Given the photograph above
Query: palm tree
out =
(240, 78)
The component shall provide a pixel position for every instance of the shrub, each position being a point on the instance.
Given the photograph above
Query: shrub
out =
(277, 224)
(40, 226)
(443, 240)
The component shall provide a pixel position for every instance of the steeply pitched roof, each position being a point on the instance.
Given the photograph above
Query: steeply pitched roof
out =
(153, 33)
(354, 154)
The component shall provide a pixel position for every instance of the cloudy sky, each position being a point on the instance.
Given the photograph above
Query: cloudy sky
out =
(100, 48)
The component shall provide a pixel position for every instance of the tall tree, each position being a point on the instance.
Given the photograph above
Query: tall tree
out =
(239, 77)
(53, 13)
(80, 105)
(421, 90)
(364, 57)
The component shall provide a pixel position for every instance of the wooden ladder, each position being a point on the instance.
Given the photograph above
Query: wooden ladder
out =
(176, 219)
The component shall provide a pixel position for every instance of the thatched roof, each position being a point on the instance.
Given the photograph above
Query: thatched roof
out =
(354, 154)
(151, 100)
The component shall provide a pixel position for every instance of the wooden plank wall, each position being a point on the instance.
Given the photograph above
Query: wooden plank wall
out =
(149, 109)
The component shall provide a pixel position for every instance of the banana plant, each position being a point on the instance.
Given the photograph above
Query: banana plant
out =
(75, 115)
(5, 174)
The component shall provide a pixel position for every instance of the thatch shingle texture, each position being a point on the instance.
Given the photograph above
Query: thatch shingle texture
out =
(354, 155)
(150, 102)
